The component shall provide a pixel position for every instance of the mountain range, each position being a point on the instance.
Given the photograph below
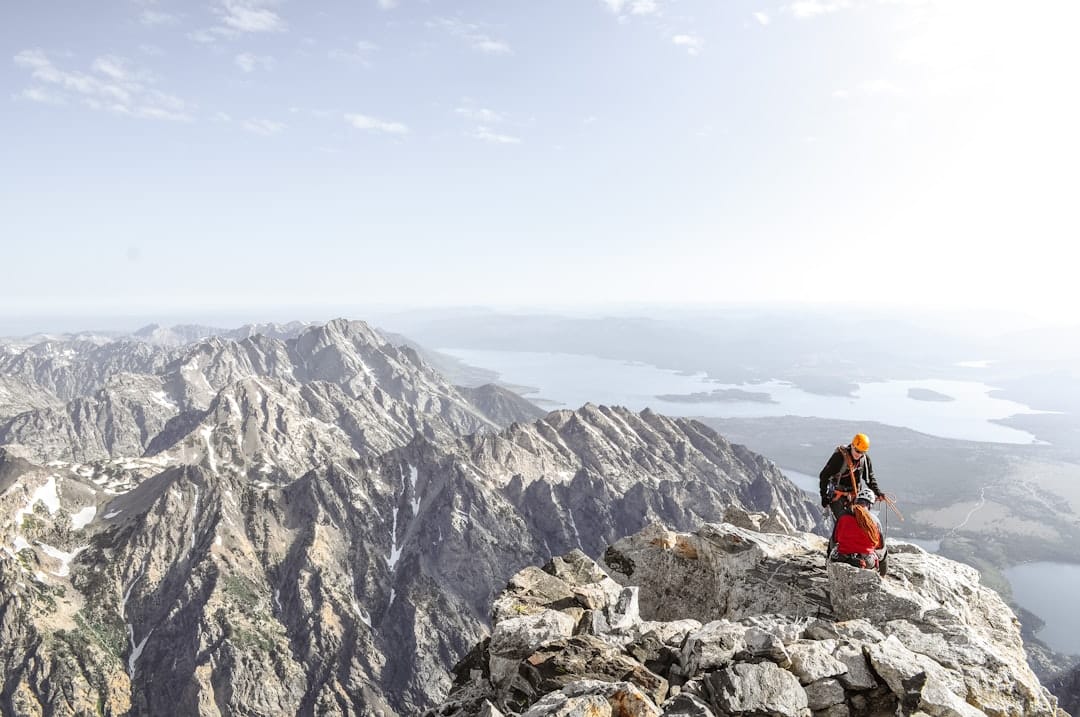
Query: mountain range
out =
(307, 519)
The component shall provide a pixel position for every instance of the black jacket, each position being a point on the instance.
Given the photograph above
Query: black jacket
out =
(836, 474)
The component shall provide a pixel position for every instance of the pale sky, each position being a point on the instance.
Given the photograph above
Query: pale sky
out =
(161, 156)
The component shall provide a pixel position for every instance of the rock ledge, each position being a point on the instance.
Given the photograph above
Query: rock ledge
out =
(731, 620)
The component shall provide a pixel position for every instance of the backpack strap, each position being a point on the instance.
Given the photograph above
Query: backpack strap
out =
(851, 468)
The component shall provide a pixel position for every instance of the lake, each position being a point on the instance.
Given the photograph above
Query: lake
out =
(1047, 589)
(571, 380)
(803, 481)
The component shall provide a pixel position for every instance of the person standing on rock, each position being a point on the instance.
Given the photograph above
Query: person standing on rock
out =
(848, 469)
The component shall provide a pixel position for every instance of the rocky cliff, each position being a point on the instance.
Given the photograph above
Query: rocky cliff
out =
(736, 620)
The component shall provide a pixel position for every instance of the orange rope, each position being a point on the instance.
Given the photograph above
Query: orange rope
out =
(867, 523)
(890, 500)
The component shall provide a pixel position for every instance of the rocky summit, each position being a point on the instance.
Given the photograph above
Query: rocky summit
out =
(744, 617)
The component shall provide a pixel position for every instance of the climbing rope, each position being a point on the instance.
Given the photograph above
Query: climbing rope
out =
(890, 500)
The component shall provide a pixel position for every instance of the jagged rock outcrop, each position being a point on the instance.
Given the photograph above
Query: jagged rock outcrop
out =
(731, 621)
(120, 419)
(18, 396)
(72, 369)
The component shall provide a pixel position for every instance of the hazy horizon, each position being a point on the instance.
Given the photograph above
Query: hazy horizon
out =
(971, 322)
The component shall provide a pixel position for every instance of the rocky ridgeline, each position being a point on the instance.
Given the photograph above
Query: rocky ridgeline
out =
(82, 401)
(731, 620)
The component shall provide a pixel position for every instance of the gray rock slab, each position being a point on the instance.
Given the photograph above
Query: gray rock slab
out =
(824, 693)
(713, 646)
(761, 643)
(813, 661)
(686, 705)
(761, 688)
(858, 675)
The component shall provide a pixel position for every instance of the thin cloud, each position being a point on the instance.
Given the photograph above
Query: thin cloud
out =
(813, 8)
(248, 62)
(205, 36)
(360, 53)
(158, 18)
(262, 127)
(473, 35)
(480, 114)
(241, 16)
(490, 46)
(250, 16)
(120, 70)
(762, 17)
(632, 7)
(374, 124)
(112, 85)
(38, 94)
(388, 4)
(692, 43)
(318, 114)
(487, 135)
(484, 118)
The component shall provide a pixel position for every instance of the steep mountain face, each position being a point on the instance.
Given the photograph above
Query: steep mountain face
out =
(593, 475)
(18, 395)
(500, 405)
(454, 369)
(353, 356)
(733, 620)
(119, 419)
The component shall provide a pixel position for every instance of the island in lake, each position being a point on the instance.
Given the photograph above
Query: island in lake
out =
(720, 395)
(925, 394)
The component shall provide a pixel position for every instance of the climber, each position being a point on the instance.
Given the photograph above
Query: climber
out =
(847, 470)
(858, 533)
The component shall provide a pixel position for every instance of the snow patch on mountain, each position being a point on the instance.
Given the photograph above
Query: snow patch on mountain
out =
(64, 558)
(83, 517)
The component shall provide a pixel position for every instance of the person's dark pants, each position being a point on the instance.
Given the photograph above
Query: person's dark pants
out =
(837, 507)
